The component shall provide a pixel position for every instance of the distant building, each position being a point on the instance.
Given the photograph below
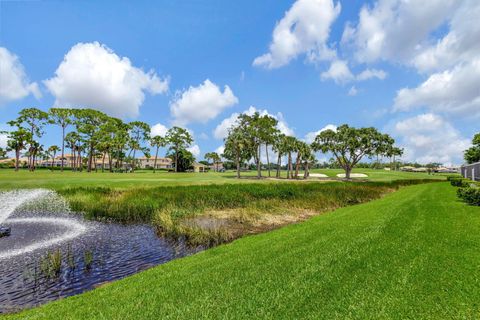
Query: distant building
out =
(147, 163)
(471, 171)
(199, 167)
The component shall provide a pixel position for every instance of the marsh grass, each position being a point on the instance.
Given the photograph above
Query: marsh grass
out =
(88, 259)
(173, 209)
(51, 263)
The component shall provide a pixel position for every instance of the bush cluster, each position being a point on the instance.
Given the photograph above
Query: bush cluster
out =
(469, 195)
(458, 182)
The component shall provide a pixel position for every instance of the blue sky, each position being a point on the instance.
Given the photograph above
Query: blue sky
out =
(406, 67)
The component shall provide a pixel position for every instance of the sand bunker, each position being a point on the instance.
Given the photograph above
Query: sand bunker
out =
(353, 175)
(318, 175)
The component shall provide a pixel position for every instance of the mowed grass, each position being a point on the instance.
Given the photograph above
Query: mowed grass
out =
(414, 254)
(59, 180)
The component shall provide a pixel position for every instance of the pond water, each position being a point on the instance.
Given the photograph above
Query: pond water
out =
(91, 253)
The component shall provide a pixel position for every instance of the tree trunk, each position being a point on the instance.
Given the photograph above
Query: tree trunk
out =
(80, 160)
(110, 162)
(259, 168)
(176, 159)
(74, 160)
(268, 161)
(394, 164)
(103, 162)
(348, 170)
(90, 159)
(133, 161)
(17, 159)
(279, 164)
(53, 160)
(297, 165)
(238, 165)
(155, 162)
(306, 173)
(289, 169)
(63, 146)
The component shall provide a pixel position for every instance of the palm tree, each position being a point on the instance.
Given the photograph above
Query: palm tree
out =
(215, 159)
(290, 147)
(17, 141)
(280, 147)
(52, 151)
(238, 146)
(72, 139)
(157, 142)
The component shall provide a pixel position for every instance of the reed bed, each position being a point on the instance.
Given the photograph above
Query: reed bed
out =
(174, 210)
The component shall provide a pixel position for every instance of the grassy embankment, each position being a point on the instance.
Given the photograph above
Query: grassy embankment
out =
(213, 214)
(210, 211)
(413, 254)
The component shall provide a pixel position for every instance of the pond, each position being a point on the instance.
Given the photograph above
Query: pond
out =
(52, 253)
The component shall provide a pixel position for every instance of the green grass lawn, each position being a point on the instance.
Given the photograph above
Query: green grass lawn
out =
(58, 180)
(413, 254)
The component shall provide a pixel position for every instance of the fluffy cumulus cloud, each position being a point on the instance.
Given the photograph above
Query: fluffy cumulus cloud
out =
(304, 29)
(158, 130)
(195, 150)
(92, 75)
(396, 30)
(454, 91)
(310, 137)
(430, 138)
(14, 83)
(371, 74)
(460, 44)
(201, 103)
(338, 72)
(220, 150)
(221, 131)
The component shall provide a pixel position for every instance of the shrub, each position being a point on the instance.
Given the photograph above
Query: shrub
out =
(469, 195)
(458, 182)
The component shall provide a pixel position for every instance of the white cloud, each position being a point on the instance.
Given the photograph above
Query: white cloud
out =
(460, 44)
(14, 83)
(220, 150)
(3, 140)
(221, 131)
(92, 75)
(338, 72)
(202, 103)
(310, 137)
(396, 30)
(195, 150)
(353, 91)
(304, 29)
(371, 73)
(455, 91)
(430, 138)
(158, 130)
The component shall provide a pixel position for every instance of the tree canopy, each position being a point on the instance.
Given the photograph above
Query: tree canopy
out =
(349, 145)
(472, 154)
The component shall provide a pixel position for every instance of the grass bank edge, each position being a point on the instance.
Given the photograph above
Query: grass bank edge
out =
(212, 214)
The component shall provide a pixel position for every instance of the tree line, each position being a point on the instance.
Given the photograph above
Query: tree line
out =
(91, 135)
(251, 134)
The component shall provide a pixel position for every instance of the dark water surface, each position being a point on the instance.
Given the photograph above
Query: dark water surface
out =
(117, 250)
